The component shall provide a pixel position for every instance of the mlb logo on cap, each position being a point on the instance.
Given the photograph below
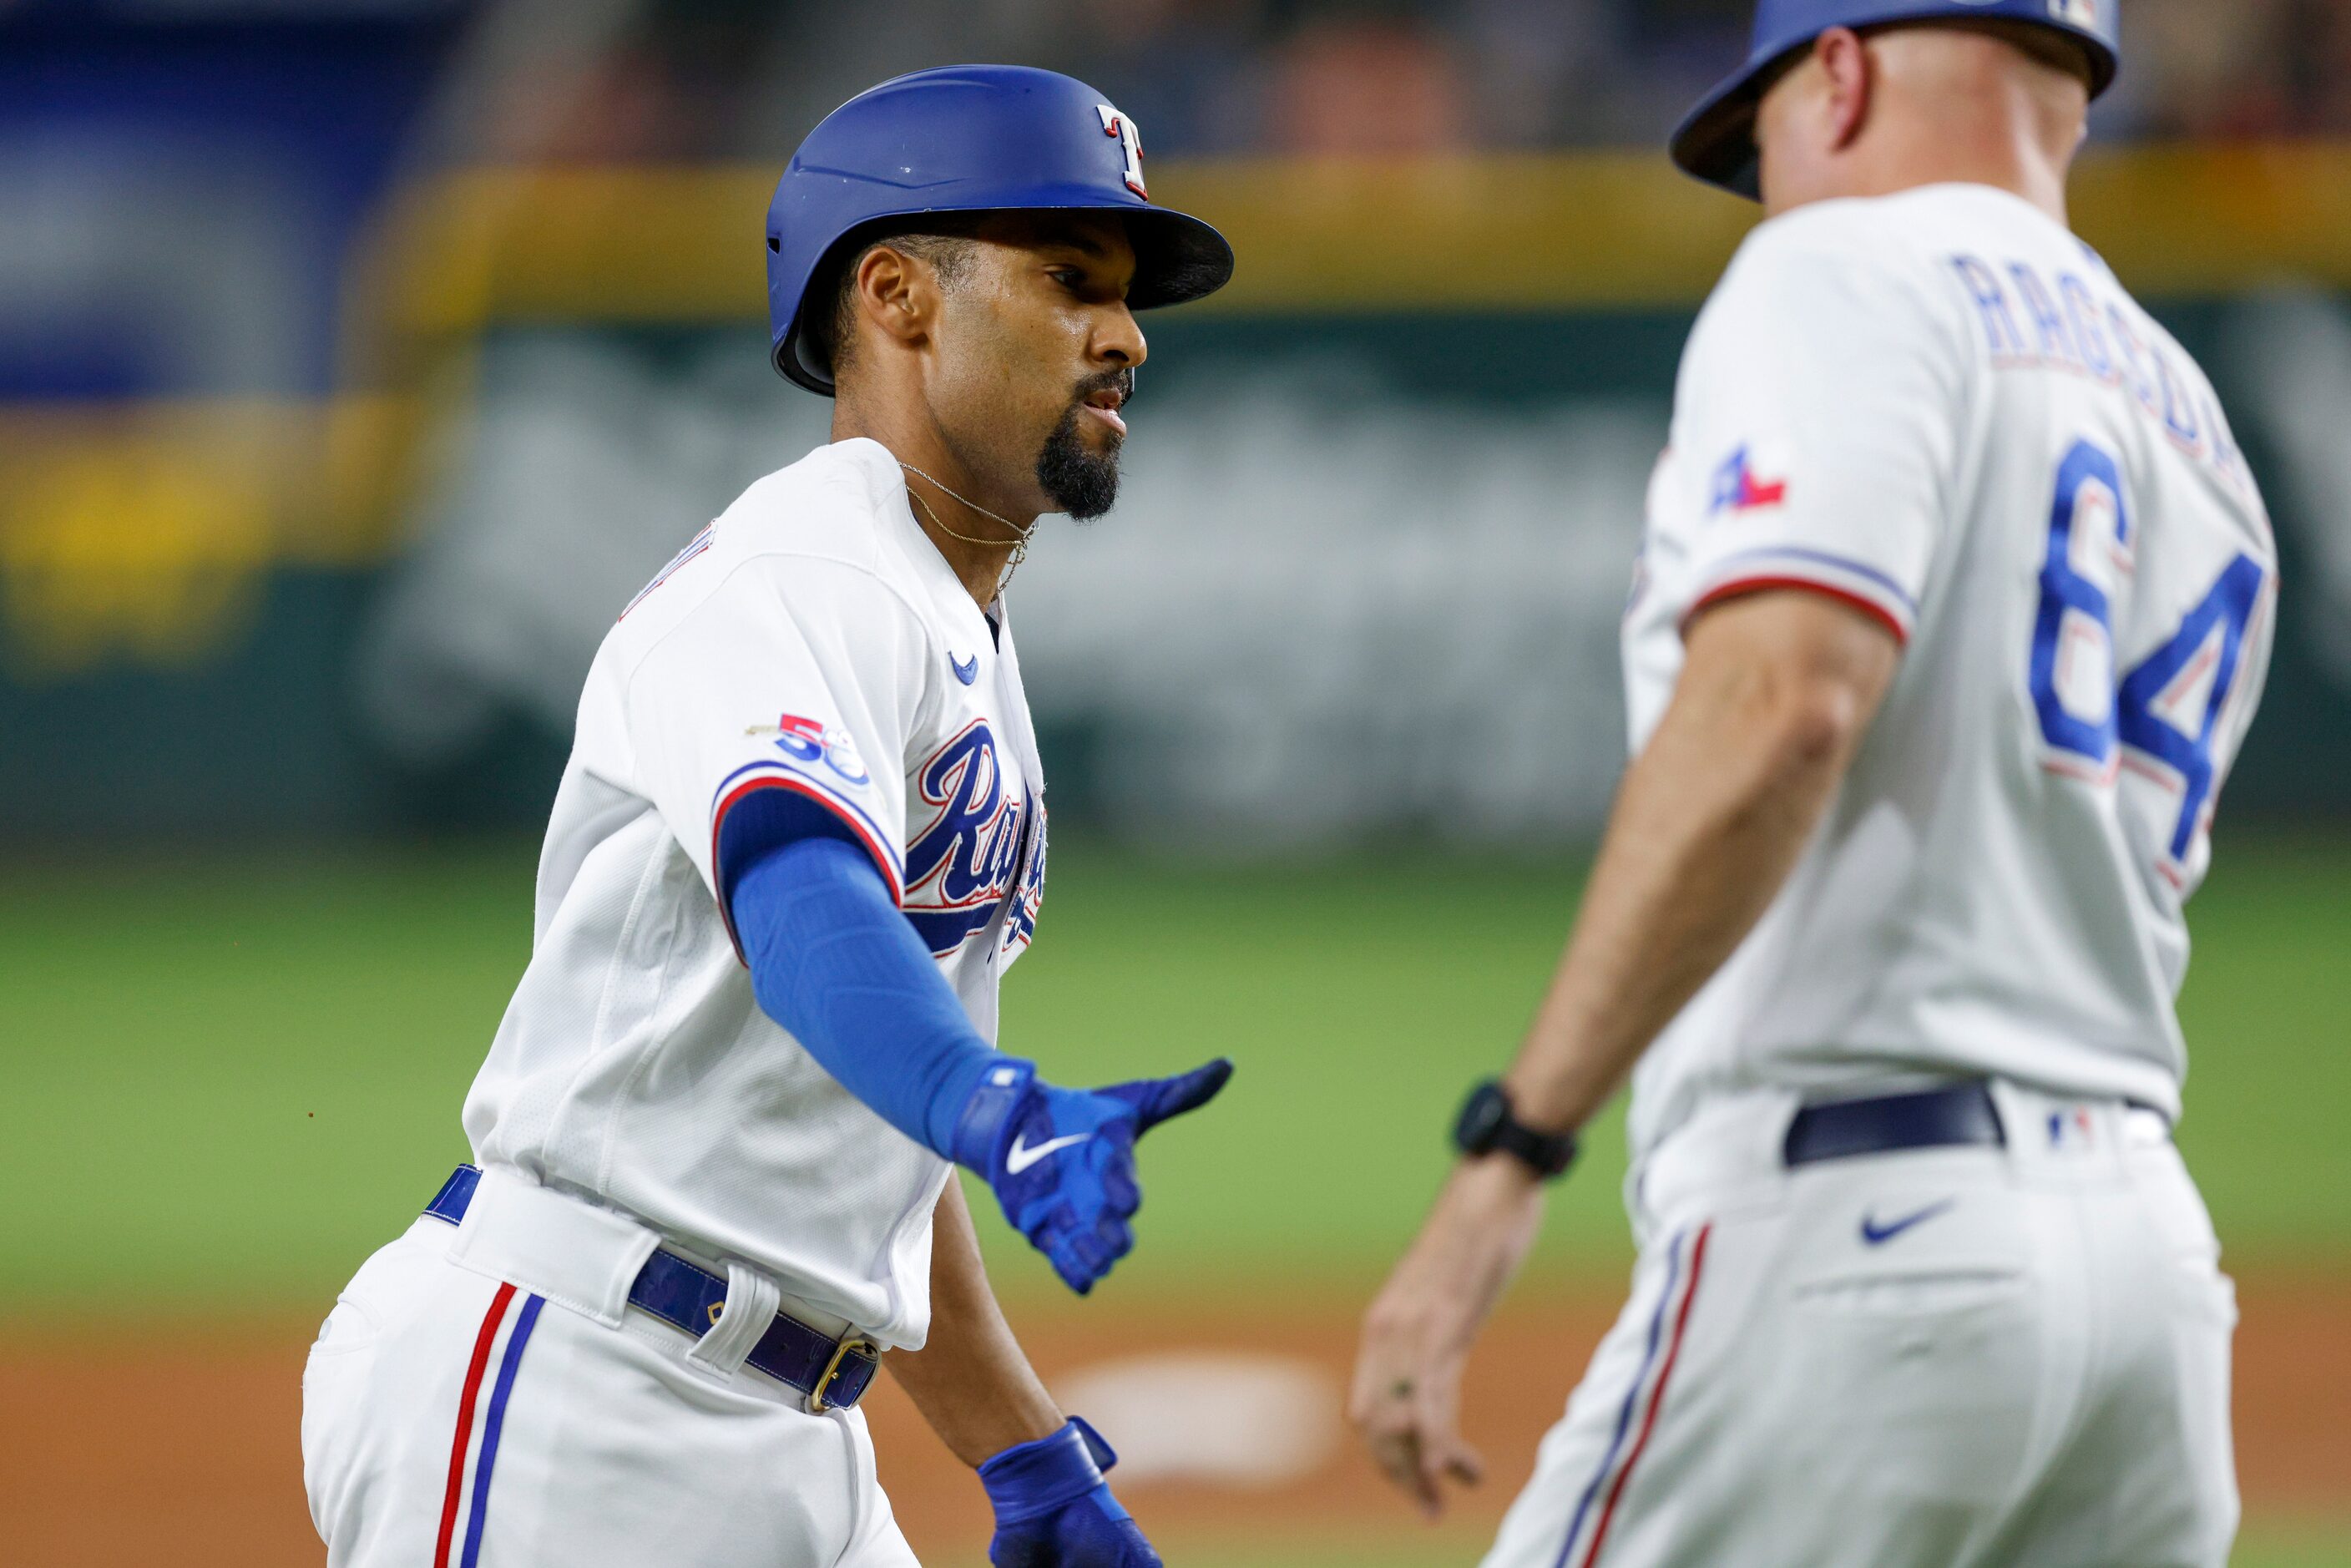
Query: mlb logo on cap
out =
(2078, 13)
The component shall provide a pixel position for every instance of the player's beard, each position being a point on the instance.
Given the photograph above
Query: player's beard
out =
(1079, 481)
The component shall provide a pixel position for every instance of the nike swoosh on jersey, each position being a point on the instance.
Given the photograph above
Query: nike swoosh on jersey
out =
(965, 671)
(1021, 1155)
(1876, 1235)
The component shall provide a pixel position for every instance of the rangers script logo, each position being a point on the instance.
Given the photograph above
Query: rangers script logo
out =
(965, 861)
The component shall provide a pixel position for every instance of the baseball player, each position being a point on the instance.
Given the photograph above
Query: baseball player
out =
(1955, 604)
(800, 838)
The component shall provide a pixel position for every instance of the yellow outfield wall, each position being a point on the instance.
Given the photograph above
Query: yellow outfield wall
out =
(1550, 232)
(142, 528)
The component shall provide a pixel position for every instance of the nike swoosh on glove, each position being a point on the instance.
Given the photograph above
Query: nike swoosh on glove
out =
(1053, 1509)
(1061, 1161)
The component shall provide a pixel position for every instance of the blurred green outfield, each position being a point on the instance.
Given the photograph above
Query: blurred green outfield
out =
(233, 1076)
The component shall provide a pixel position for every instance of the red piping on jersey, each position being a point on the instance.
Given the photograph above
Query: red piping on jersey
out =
(1738, 585)
(474, 1370)
(1656, 1397)
(802, 788)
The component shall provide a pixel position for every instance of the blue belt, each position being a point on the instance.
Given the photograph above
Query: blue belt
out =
(833, 1373)
(1959, 1116)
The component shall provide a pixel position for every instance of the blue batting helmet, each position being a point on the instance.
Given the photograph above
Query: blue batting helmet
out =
(1716, 141)
(968, 139)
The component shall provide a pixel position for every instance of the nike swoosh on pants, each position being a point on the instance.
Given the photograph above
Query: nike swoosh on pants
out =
(1876, 1235)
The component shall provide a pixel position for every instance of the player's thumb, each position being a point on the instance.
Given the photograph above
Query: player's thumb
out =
(1156, 1099)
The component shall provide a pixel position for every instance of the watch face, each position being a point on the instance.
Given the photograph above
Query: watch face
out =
(1482, 1118)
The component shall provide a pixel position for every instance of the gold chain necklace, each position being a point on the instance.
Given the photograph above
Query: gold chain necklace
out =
(1021, 545)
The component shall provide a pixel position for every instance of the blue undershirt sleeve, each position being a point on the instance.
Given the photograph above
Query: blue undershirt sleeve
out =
(834, 961)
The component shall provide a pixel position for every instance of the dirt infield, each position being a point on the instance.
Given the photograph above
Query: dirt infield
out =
(161, 1443)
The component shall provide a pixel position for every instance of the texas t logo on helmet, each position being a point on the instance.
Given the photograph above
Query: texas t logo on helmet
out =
(1118, 125)
(970, 139)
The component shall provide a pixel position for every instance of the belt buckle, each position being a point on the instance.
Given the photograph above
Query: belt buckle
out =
(841, 1352)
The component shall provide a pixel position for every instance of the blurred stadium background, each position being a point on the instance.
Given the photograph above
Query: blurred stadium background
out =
(358, 359)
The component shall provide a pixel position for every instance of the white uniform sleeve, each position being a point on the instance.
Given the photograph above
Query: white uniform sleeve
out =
(786, 697)
(1816, 423)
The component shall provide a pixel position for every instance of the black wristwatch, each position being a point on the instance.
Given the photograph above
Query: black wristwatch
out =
(1485, 1126)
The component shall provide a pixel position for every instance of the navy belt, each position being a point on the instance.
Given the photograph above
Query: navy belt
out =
(833, 1373)
(1961, 1116)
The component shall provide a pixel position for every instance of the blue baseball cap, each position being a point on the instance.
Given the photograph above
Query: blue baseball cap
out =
(968, 139)
(1716, 141)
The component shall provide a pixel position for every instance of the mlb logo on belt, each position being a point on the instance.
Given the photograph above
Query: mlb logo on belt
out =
(1739, 486)
(2072, 1130)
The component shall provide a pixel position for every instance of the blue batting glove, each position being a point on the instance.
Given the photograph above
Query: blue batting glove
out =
(1053, 1509)
(1062, 1160)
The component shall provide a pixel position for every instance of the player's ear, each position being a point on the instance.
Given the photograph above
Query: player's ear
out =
(1852, 78)
(896, 294)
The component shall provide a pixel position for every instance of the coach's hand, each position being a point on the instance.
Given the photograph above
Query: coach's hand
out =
(1062, 1160)
(1417, 1336)
(1053, 1509)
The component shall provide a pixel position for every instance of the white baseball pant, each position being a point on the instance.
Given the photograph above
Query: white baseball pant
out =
(1935, 1358)
(454, 1415)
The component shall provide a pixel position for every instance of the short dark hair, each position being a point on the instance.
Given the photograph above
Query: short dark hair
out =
(943, 240)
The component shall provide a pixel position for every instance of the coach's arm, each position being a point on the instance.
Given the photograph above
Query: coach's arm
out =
(1776, 692)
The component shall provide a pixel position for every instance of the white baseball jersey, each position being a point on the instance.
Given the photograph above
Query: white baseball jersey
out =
(810, 640)
(1941, 408)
